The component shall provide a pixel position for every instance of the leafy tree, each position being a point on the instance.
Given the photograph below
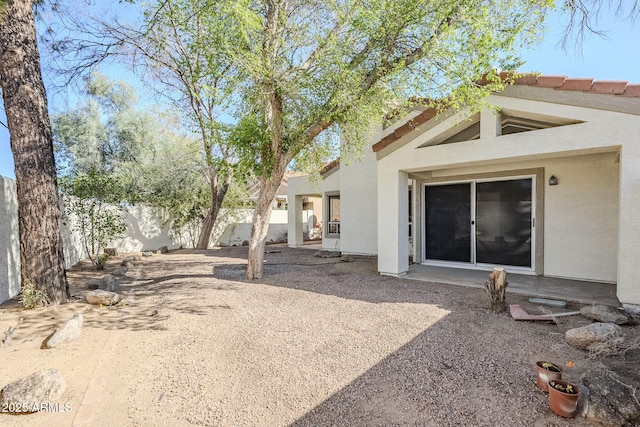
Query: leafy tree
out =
(182, 49)
(142, 152)
(310, 65)
(104, 132)
(94, 210)
(25, 103)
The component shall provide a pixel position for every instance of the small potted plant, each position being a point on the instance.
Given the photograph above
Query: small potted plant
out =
(547, 371)
(563, 398)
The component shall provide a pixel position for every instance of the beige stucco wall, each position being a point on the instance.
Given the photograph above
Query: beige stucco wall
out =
(580, 213)
(356, 183)
(628, 288)
(303, 186)
(592, 219)
(234, 227)
(581, 218)
(359, 205)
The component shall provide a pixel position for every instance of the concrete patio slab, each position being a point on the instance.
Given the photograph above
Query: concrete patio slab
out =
(537, 286)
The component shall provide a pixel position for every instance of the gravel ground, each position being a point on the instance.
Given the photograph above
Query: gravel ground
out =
(317, 342)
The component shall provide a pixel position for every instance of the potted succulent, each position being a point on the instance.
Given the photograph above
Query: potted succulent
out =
(547, 371)
(563, 398)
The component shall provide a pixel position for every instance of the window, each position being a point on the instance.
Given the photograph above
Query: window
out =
(410, 213)
(334, 215)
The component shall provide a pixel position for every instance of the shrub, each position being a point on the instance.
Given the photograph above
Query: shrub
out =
(101, 261)
(31, 297)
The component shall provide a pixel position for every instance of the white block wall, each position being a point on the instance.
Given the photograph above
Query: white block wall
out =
(9, 240)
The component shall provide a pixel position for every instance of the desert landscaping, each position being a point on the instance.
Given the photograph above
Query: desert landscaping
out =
(317, 342)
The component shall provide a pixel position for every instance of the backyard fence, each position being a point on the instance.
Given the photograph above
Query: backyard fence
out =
(145, 231)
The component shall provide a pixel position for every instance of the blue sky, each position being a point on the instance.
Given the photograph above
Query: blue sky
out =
(616, 57)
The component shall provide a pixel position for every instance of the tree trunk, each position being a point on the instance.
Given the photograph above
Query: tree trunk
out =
(25, 103)
(207, 227)
(217, 197)
(496, 286)
(260, 224)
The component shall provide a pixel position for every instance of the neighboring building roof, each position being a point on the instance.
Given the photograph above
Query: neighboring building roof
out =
(282, 189)
(563, 83)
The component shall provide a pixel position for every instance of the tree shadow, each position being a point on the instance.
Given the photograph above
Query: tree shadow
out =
(435, 380)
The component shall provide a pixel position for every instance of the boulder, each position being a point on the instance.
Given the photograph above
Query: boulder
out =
(69, 332)
(595, 337)
(604, 313)
(29, 393)
(100, 297)
(162, 250)
(94, 283)
(121, 271)
(109, 283)
(328, 254)
(611, 399)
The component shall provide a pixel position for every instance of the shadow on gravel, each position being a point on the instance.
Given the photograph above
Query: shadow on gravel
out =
(435, 381)
(440, 378)
(472, 367)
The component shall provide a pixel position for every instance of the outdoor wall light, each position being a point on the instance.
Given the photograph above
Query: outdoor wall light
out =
(553, 180)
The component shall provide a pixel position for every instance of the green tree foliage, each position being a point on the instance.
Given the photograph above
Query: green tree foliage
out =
(183, 48)
(309, 65)
(141, 153)
(94, 209)
(103, 132)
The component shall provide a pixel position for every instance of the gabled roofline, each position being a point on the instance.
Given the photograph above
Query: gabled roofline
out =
(330, 168)
(619, 88)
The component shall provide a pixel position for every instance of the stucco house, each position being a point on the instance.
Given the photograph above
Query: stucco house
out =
(547, 183)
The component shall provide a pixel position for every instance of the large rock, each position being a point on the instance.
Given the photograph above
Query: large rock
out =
(604, 313)
(94, 283)
(69, 332)
(611, 399)
(595, 337)
(328, 254)
(162, 250)
(109, 283)
(100, 297)
(121, 271)
(29, 393)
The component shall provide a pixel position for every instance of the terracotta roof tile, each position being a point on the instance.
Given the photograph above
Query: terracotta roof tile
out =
(587, 85)
(332, 164)
(550, 81)
(404, 129)
(526, 80)
(577, 84)
(410, 125)
(632, 90)
(609, 86)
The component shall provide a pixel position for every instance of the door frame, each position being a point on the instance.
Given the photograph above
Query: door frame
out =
(473, 264)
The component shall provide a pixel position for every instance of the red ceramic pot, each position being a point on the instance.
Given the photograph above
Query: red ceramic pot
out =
(547, 371)
(563, 398)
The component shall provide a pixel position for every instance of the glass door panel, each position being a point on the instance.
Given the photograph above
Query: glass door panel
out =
(503, 222)
(448, 222)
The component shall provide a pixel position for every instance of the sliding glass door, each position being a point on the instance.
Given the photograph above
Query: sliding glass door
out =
(480, 222)
(448, 222)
